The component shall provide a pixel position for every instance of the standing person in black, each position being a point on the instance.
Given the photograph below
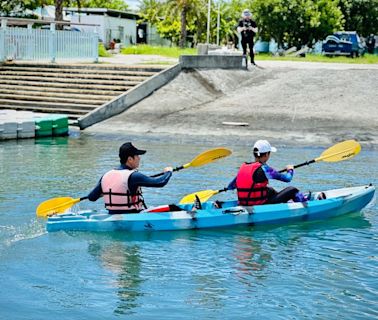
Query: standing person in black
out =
(247, 28)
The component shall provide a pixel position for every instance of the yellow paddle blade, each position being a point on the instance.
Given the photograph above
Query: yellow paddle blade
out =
(55, 205)
(209, 156)
(340, 151)
(202, 195)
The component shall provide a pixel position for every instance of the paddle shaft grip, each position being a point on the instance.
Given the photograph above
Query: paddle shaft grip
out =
(300, 165)
(161, 173)
(83, 198)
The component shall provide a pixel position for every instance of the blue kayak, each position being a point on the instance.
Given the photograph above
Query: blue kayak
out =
(337, 202)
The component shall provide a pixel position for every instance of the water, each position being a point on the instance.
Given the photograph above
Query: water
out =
(318, 270)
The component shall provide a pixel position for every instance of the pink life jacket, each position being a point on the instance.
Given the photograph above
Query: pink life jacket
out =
(117, 196)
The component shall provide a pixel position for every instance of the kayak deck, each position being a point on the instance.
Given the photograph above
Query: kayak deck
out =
(337, 202)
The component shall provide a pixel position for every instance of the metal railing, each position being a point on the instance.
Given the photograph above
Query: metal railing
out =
(18, 43)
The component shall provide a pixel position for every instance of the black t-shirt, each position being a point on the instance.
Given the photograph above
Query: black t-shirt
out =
(247, 34)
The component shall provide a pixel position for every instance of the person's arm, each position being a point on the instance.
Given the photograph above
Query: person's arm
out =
(240, 27)
(274, 174)
(254, 27)
(96, 192)
(232, 185)
(138, 179)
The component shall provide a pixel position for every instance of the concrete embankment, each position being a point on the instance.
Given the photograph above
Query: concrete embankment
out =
(283, 101)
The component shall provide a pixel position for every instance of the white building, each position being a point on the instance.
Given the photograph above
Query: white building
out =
(115, 24)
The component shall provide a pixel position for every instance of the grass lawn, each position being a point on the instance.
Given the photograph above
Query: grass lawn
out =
(175, 52)
(172, 52)
(366, 59)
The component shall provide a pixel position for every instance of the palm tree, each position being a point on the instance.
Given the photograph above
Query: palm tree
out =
(184, 8)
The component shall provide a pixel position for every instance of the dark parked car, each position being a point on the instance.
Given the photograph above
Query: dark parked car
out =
(343, 43)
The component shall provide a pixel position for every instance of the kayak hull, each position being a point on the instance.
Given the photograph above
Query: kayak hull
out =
(338, 202)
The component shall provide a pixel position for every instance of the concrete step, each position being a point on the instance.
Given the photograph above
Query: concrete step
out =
(32, 94)
(80, 71)
(28, 74)
(71, 113)
(57, 106)
(72, 81)
(62, 91)
(66, 85)
(96, 66)
(29, 98)
(72, 89)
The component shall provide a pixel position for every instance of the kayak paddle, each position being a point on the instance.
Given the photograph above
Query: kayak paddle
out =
(56, 205)
(203, 196)
(338, 152)
(203, 158)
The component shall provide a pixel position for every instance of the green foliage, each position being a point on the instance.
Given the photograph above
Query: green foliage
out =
(297, 22)
(366, 59)
(360, 16)
(151, 11)
(173, 52)
(113, 4)
(102, 51)
(17, 7)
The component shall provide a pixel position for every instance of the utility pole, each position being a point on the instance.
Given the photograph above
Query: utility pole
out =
(208, 21)
(218, 23)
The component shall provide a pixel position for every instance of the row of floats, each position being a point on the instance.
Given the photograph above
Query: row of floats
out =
(26, 124)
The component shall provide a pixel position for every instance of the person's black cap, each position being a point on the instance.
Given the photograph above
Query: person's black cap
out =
(128, 150)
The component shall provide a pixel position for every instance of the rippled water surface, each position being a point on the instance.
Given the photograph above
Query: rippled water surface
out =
(318, 270)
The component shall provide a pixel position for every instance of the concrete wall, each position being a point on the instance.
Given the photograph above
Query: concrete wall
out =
(212, 61)
(129, 98)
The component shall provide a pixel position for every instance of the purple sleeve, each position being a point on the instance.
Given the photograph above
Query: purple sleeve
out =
(274, 174)
(232, 185)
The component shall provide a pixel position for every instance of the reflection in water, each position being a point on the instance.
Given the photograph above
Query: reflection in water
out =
(250, 256)
(52, 141)
(124, 261)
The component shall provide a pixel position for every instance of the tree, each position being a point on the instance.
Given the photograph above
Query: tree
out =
(173, 18)
(151, 11)
(360, 16)
(297, 22)
(17, 7)
(114, 4)
(182, 8)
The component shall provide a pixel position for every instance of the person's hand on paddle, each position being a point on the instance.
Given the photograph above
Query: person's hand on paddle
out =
(166, 169)
(289, 167)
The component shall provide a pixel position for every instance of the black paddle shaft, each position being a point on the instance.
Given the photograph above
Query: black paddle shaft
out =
(300, 165)
(161, 173)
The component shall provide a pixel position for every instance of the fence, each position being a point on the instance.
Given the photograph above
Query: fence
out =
(18, 43)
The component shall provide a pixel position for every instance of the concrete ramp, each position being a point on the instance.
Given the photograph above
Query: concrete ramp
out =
(129, 98)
